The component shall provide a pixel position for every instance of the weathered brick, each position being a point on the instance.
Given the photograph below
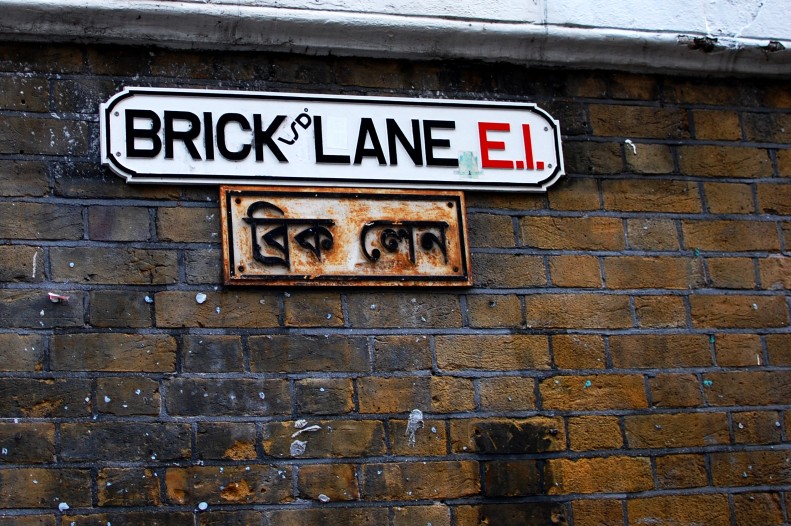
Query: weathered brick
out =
(81, 95)
(738, 311)
(134, 442)
(778, 347)
(758, 508)
(312, 309)
(638, 121)
(732, 236)
(757, 427)
(574, 193)
(220, 309)
(188, 225)
(598, 475)
(490, 230)
(212, 353)
(507, 436)
(118, 223)
(775, 272)
(680, 510)
(750, 468)
(660, 351)
(113, 352)
(180, 64)
(44, 488)
(574, 393)
(508, 271)
(402, 353)
(226, 397)
(22, 352)
(27, 443)
(29, 56)
(599, 512)
(254, 484)
(754, 388)
(44, 136)
(88, 180)
(338, 482)
(494, 311)
(675, 390)
(33, 309)
(633, 86)
(681, 471)
(638, 272)
(660, 311)
(101, 265)
(590, 311)
(649, 159)
(511, 478)
(24, 94)
(27, 520)
(44, 398)
(132, 518)
(492, 352)
(434, 514)
(676, 430)
(507, 393)
(435, 394)
(575, 271)
(230, 518)
(23, 178)
(724, 161)
(120, 308)
(226, 441)
(588, 433)
(784, 163)
(767, 127)
(640, 195)
(506, 200)
(592, 158)
(40, 221)
(572, 233)
(203, 266)
(717, 125)
(729, 198)
(429, 440)
(127, 395)
(578, 351)
(738, 350)
(774, 199)
(731, 273)
(321, 517)
(420, 480)
(652, 234)
(416, 310)
(534, 514)
(324, 396)
(335, 438)
(290, 354)
(127, 487)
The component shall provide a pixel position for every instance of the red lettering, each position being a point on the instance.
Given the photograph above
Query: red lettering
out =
(486, 144)
(528, 146)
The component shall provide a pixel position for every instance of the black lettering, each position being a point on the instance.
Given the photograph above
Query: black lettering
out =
(185, 136)
(208, 135)
(264, 137)
(222, 122)
(432, 143)
(150, 134)
(367, 129)
(413, 149)
(318, 142)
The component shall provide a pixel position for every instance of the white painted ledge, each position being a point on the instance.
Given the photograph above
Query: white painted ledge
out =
(206, 25)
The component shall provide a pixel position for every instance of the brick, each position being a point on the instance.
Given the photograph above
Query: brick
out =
(254, 484)
(118, 223)
(506, 200)
(435, 394)
(212, 353)
(33, 309)
(572, 114)
(660, 351)
(681, 471)
(652, 234)
(228, 518)
(599, 512)
(434, 514)
(638, 121)
(724, 161)
(321, 517)
(590, 311)
(778, 348)
(226, 441)
(633, 86)
(22, 352)
(757, 427)
(747, 388)
(416, 310)
(675, 390)
(24, 94)
(23, 179)
(572, 233)
(27, 443)
(90, 181)
(324, 396)
(598, 475)
(492, 352)
(226, 397)
(507, 393)
(767, 127)
(639, 195)
(535, 514)
(494, 311)
(642, 272)
(588, 433)
(127, 518)
(44, 136)
(584, 393)
(490, 230)
(203, 266)
(775, 272)
(574, 193)
(32, 57)
(220, 309)
(660, 311)
(180, 64)
(507, 436)
(44, 488)
(420, 480)
(750, 468)
(338, 482)
(334, 439)
(578, 351)
(380, 74)
(291, 354)
(135, 442)
(738, 350)
(732, 236)
(127, 487)
(575, 271)
(113, 352)
(738, 311)
(715, 125)
(82, 95)
(188, 225)
(784, 163)
(731, 273)
(776, 95)
(508, 271)
(512, 478)
(773, 199)
(44, 398)
(729, 198)
(401, 353)
(676, 430)
(40, 221)
(758, 508)
(127, 396)
(27, 520)
(97, 265)
(312, 309)
(649, 159)
(120, 308)
(592, 158)
(429, 440)
(680, 510)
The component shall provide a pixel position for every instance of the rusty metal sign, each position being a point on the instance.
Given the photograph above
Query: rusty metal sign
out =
(340, 236)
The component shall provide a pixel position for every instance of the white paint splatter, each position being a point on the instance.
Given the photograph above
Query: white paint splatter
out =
(149, 299)
(414, 423)
(323, 497)
(298, 448)
(63, 506)
(202, 506)
(35, 256)
(200, 297)
(629, 142)
(304, 430)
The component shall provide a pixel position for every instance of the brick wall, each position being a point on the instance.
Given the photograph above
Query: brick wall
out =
(623, 357)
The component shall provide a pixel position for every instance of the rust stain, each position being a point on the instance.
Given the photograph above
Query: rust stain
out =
(237, 492)
(240, 451)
